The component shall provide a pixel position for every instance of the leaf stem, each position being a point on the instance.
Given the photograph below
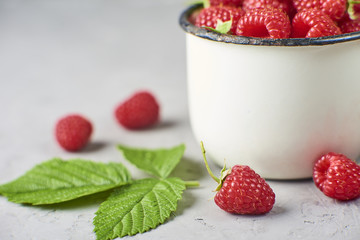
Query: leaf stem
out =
(206, 163)
(192, 183)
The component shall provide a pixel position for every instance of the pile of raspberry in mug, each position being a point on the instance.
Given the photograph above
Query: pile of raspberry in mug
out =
(279, 18)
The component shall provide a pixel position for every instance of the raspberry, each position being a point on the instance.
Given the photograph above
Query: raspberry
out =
(335, 9)
(264, 23)
(349, 25)
(235, 3)
(242, 191)
(208, 16)
(141, 110)
(285, 5)
(337, 176)
(313, 23)
(356, 7)
(245, 192)
(73, 132)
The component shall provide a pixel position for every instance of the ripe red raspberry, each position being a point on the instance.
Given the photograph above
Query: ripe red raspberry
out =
(285, 5)
(313, 23)
(349, 25)
(235, 3)
(337, 176)
(141, 110)
(73, 132)
(356, 8)
(242, 191)
(208, 16)
(264, 23)
(334, 8)
(245, 192)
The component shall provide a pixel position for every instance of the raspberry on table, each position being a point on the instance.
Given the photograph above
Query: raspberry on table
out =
(312, 23)
(208, 16)
(141, 110)
(242, 191)
(245, 192)
(73, 132)
(337, 176)
(264, 23)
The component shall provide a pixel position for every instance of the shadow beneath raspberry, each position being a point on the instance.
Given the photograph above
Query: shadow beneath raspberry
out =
(277, 210)
(274, 212)
(164, 124)
(94, 146)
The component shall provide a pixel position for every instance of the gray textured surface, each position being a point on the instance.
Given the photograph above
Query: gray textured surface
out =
(58, 57)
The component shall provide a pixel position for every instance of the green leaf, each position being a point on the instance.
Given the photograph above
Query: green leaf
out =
(158, 162)
(205, 3)
(221, 27)
(351, 10)
(57, 181)
(137, 207)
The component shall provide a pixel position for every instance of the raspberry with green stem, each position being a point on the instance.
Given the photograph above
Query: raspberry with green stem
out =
(240, 190)
(224, 172)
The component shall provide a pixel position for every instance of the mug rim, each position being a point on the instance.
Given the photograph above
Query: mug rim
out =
(188, 27)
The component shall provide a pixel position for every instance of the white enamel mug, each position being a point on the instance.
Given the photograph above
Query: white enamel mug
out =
(274, 105)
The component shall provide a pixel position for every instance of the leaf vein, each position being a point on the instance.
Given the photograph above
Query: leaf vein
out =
(58, 178)
(171, 187)
(169, 201)
(73, 174)
(158, 206)
(96, 173)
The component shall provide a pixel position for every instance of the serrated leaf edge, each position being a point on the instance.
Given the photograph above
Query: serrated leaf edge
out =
(171, 209)
(12, 196)
(153, 171)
